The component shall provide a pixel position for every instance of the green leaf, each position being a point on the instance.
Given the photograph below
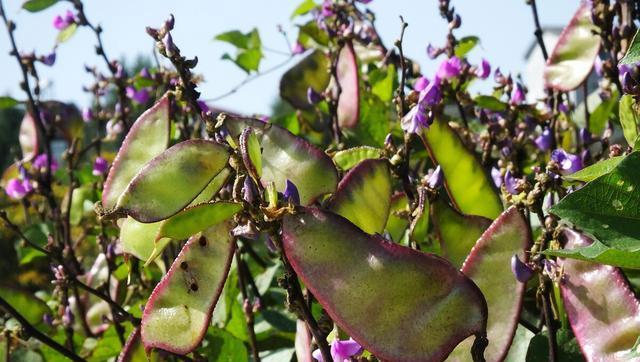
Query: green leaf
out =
(520, 345)
(467, 183)
(465, 45)
(603, 311)
(364, 196)
(66, 33)
(212, 188)
(288, 157)
(568, 349)
(572, 58)
(602, 113)
(304, 7)
(249, 60)
(609, 206)
(601, 254)
(147, 138)
(633, 53)
(489, 102)
(382, 82)
(489, 266)
(373, 125)
(249, 48)
(171, 180)
(355, 276)
(456, 232)
(195, 219)
(350, 157)
(178, 312)
(224, 347)
(7, 102)
(235, 38)
(596, 170)
(140, 239)
(311, 35)
(31, 308)
(34, 6)
(629, 118)
(310, 72)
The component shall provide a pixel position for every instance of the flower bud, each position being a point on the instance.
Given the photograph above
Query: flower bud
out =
(291, 193)
(520, 270)
(435, 179)
(168, 24)
(313, 97)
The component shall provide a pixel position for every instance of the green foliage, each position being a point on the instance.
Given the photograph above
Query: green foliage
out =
(34, 6)
(249, 48)
(633, 52)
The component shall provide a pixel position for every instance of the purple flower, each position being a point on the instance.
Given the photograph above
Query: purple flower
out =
(416, 119)
(17, 189)
(499, 77)
(432, 52)
(544, 140)
(100, 166)
(313, 97)
(248, 191)
(421, 84)
(67, 317)
(496, 176)
(435, 179)
(431, 95)
(48, 59)
(327, 8)
(629, 84)
(510, 183)
(484, 70)
(569, 163)
(522, 271)
(597, 66)
(291, 193)
(141, 96)
(341, 351)
(585, 136)
(113, 127)
(517, 97)
(41, 163)
(87, 114)
(144, 73)
(298, 48)
(449, 68)
(203, 106)
(62, 22)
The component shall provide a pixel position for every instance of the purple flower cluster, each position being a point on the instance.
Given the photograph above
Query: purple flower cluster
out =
(61, 22)
(341, 351)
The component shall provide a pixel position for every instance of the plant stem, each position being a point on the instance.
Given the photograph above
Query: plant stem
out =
(538, 32)
(247, 305)
(32, 331)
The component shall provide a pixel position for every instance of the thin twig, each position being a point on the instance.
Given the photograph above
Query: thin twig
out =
(538, 32)
(247, 305)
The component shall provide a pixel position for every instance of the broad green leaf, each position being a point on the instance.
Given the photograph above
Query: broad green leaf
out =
(364, 196)
(249, 48)
(599, 253)
(520, 345)
(465, 45)
(34, 6)
(304, 7)
(224, 347)
(383, 82)
(355, 276)
(350, 157)
(235, 38)
(178, 312)
(82, 201)
(608, 207)
(490, 102)
(66, 33)
(195, 219)
(568, 349)
(489, 266)
(147, 138)
(171, 180)
(629, 118)
(603, 312)
(29, 137)
(212, 188)
(249, 60)
(467, 183)
(310, 72)
(596, 170)
(374, 123)
(7, 102)
(31, 308)
(288, 157)
(349, 79)
(140, 239)
(572, 58)
(633, 53)
(603, 113)
(456, 232)
(310, 35)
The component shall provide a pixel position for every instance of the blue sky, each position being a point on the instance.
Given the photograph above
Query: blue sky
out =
(504, 26)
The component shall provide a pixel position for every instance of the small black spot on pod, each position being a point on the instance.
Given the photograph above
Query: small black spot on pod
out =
(202, 241)
(184, 265)
(194, 287)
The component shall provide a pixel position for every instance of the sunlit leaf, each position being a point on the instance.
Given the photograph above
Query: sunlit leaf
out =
(603, 311)
(171, 180)
(66, 33)
(34, 6)
(467, 183)
(7, 102)
(596, 170)
(355, 276)
(383, 82)
(178, 312)
(140, 239)
(465, 45)
(572, 58)
(629, 118)
(364, 195)
(489, 266)
(609, 206)
(633, 53)
(197, 218)
(350, 157)
(304, 7)
(147, 138)
(212, 188)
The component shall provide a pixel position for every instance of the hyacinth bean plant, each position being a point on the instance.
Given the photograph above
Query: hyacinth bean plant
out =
(385, 214)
